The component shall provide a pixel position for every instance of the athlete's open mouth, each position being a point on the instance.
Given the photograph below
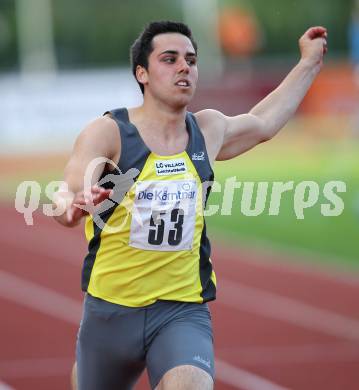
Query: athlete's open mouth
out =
(183, 83)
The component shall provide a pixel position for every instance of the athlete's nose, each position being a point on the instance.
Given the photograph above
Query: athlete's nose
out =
(183, 66)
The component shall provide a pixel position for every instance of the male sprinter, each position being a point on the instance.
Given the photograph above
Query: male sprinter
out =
(147, 282)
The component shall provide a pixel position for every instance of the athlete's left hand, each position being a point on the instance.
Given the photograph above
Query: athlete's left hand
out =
(85, 202)
(74, 206)
(313, 45)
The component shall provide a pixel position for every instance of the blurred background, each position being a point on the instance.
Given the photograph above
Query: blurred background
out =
(63, 63)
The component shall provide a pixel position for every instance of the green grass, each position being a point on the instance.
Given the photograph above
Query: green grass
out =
(333, 239)
(10, 184)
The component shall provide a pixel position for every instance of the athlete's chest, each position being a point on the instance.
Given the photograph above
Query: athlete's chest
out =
(166, 198)
(165, 145)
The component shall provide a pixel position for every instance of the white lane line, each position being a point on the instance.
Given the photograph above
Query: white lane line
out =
(293, 354)
(231, 294)
(4, 386)
(39, 298)
(41, 242)
(242, 379)
(56, 305)
(35, 368)
(225, 372)
(290, 259)
(272, 305)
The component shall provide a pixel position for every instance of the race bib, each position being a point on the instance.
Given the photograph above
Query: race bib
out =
(163, 215)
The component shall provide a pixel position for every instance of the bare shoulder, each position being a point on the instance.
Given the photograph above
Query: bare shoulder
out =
(102, 134)
(213, 126)
(103, 125)
(210, 119)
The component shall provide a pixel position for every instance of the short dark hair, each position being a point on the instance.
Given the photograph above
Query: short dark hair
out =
(142, 47)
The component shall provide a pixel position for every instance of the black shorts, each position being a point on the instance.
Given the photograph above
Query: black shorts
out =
(115, 343)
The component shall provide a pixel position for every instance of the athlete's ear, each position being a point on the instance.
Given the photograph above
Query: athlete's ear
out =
(141, 74)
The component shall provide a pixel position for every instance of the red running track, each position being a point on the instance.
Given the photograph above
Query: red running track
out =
(277, 325)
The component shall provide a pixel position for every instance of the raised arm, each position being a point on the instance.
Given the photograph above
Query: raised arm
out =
(241, 133)
(99, 139)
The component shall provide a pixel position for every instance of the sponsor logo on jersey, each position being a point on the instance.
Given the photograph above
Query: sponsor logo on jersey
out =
(198, 156)
(170, 167)
(165, 195)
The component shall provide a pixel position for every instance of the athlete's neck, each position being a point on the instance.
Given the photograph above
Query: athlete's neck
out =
(168, 123)
(163, 131)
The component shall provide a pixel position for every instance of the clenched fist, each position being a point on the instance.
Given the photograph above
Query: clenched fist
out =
(313, 45)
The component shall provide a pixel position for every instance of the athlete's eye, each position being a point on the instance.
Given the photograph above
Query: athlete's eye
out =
(192, 61)
(169, 60)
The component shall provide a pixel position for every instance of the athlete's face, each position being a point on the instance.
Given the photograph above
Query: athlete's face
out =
(172, 69)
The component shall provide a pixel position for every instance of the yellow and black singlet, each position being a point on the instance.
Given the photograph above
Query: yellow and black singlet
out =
(153, 243)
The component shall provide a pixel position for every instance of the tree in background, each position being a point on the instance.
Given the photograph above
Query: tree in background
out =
(239, 31)
(97, 33)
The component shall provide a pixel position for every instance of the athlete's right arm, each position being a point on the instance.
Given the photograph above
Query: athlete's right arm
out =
(100, 138)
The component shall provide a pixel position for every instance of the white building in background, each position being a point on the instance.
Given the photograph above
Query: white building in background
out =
(45, 113)
(42, 109)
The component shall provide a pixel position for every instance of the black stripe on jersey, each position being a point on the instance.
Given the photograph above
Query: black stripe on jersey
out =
(197, 147)
(205, 268)
(134, 154)
(94, 246)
